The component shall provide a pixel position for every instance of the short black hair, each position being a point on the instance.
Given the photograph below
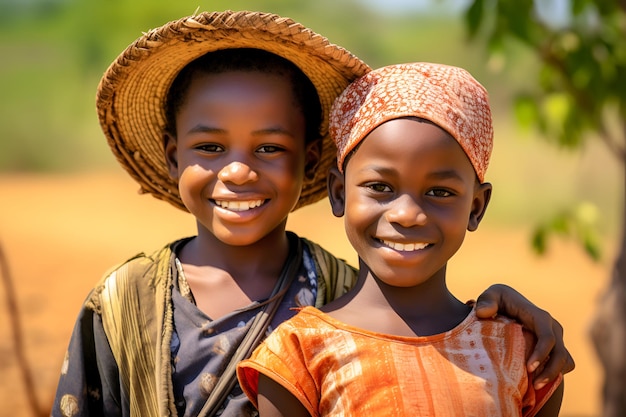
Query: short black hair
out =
(247, 60)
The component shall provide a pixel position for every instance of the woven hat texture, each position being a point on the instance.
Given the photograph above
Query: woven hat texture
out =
(447, 96)
(131, 95)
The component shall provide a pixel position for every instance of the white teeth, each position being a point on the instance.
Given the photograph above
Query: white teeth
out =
(239, 205)
(402, 247)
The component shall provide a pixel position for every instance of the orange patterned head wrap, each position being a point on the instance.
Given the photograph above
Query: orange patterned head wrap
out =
(445, 95)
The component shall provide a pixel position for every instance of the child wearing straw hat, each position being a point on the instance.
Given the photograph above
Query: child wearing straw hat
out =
(223, 115)
(414, 141)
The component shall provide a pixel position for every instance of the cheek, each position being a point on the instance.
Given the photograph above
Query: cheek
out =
(295, 169)
(360, 213)
(456, 220)
(192, 181)
(290, 174)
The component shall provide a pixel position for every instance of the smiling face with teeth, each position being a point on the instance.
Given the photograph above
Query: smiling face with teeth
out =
(408, 196)
(239, 154)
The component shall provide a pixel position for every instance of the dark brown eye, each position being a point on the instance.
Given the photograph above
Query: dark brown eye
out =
(379, 188)
(210, 147)
(438, 192)
(269, 149)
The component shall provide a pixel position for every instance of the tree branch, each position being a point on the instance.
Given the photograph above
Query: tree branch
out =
(16, 328)
(581, 98)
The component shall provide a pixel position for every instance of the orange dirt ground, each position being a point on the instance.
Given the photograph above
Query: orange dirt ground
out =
(60, 233)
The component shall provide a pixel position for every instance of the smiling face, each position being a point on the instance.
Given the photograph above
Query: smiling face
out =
(408, 195)
(239, 154)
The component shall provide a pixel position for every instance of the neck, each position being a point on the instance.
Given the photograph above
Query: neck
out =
(265, 257)
(425, 309)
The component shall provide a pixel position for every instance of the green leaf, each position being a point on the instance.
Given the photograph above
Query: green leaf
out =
(577, 223)
(538, 241)
(474, 17)
(556, 108)
(578, 6)
(517, 17)
(526, 111)
(592, 247)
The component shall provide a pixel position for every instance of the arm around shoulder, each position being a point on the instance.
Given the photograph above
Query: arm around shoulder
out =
(550, 351)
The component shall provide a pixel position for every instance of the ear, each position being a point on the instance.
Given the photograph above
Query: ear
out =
(170, 148)
(482, 195)
(313, 153)
(336, 191)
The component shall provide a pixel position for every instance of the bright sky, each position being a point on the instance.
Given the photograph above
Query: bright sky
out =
(398, 6)
(553, 11)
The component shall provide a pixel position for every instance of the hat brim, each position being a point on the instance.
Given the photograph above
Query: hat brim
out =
(132, 93)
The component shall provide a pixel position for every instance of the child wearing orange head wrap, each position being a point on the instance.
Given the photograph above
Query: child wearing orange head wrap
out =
(414, 142)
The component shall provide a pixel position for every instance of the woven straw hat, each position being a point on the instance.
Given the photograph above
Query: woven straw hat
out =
(446, 95)
(132, 93)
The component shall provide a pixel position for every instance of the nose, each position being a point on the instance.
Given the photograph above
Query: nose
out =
(238, 173)
(406, 211)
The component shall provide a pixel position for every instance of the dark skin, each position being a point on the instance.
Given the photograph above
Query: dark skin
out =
(239, 158)
(240, 138)
(404, 228)
(550, 343)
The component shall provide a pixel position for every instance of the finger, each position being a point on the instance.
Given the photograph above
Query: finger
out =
(548, 373)
(555, 366)
(559, 361)
(544, 351)
(486, 305)
(509, 302)
(500, 299)
(548, 332)
(549, 356)
(570, 364)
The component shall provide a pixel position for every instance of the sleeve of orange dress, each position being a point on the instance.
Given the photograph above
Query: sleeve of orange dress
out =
(287, 369)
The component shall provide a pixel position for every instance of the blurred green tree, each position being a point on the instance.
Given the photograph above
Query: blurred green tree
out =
(55, 51)
(579, 95)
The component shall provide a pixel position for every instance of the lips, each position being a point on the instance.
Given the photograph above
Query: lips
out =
(404, 247)
(239, 205)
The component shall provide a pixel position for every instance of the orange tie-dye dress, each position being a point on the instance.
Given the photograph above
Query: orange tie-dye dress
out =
(476, 369)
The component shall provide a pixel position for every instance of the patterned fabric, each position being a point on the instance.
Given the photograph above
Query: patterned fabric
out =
(202, 347)
(475, 369)
(131, 349)
(447, 96)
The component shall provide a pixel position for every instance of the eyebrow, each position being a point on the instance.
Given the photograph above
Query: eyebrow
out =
(446, 174)
(438, 175)
(261, 132)
(205, 129)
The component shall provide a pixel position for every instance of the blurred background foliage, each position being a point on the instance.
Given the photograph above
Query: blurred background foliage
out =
(55, 51)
